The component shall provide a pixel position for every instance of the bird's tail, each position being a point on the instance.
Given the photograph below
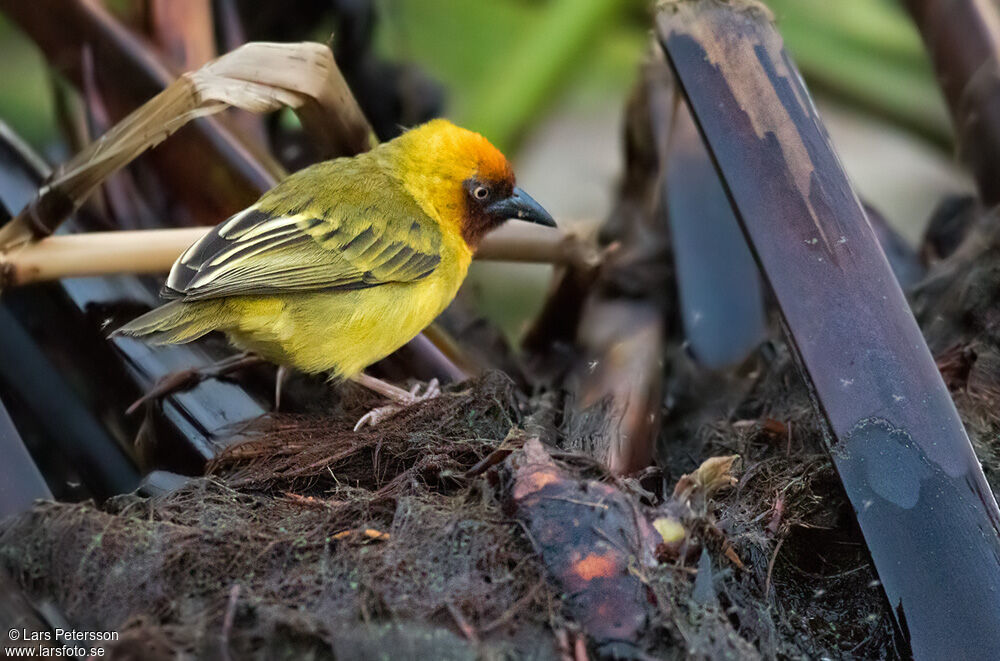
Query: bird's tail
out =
(174, 323)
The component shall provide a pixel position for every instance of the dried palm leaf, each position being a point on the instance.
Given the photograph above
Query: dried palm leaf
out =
(258, 77)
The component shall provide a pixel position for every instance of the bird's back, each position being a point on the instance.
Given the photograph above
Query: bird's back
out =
(330, 270)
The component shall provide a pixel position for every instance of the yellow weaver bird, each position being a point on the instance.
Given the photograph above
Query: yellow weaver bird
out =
(345, 261)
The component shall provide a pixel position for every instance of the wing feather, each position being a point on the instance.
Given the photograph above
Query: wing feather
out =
(350, 243)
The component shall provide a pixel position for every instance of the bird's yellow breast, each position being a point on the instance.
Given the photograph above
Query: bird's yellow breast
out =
(342, 332)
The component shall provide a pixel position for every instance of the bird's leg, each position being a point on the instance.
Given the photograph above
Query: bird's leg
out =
(384, 388)
(190, 377)
(401, 398)
(279, 381)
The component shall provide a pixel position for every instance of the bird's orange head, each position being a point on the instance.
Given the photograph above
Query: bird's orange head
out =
(461, 180)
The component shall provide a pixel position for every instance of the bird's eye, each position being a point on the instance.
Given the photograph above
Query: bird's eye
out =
(481, 192)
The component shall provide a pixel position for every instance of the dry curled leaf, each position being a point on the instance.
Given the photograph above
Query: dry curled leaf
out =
(714, 474)
(258, 77)
(670, 529)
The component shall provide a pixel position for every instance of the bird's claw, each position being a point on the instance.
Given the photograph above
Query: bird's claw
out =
(431, 390)
(375, 416)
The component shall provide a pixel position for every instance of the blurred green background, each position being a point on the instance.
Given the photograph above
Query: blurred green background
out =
(546, 81)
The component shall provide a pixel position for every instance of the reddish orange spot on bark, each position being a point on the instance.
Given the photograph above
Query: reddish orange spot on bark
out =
(594, 565)
(534, 481)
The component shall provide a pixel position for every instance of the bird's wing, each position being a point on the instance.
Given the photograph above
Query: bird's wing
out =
(365, 237)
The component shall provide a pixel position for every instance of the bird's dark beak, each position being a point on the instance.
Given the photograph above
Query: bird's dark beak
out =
(520, 205)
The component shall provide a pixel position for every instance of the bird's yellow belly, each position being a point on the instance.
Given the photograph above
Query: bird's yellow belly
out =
(340, 332)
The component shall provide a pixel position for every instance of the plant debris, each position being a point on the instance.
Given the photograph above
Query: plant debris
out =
(595, 543)
(344, 543)
(478, 525)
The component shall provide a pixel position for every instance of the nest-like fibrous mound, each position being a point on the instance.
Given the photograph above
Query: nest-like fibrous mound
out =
(309, 537)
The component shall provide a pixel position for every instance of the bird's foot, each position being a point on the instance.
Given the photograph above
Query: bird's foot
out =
(431, 390)
(403, 400)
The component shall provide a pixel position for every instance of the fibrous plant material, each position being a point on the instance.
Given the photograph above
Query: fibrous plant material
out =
(341, 544)
(923, 504)
(342, 541)
(399, 539)
(963, 39)
(288, 454)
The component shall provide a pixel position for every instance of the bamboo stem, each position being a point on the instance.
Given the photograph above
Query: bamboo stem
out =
(521, 242)
(97, 253)
(155, 251)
